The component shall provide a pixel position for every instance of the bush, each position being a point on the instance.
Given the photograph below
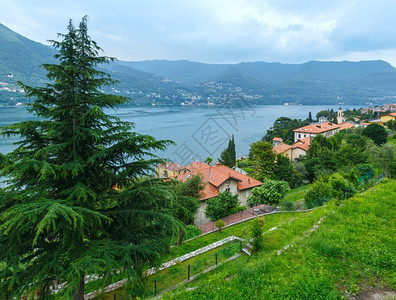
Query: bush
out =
(270, 192)
(287, 205)
(341, 188)
(223, 205)
(318, 194)
(192, 231)
(220, 224)
(257, 230)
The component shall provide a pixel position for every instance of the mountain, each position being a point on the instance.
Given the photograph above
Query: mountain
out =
(164, 82)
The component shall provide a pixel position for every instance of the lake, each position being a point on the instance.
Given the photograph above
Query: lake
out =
(199, 132)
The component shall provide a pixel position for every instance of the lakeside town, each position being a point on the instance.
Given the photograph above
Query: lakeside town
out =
(90, 210)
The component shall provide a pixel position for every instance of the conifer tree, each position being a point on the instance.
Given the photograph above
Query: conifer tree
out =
(228, 156)
(76, 200)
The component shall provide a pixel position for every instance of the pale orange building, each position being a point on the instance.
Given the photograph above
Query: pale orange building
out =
(170, 169)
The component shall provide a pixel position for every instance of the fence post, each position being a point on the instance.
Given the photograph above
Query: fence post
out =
(188, 272)
(115, 296)
(155, 287)
(216, 258)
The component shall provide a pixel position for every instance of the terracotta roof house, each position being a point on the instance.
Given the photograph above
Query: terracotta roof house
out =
(170, 169)
(218, 179)
(283, 149)
(346, 125)
(326, 128)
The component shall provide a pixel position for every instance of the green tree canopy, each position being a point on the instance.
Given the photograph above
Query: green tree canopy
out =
(283, 127)
(263, 158)
(270, 192)
(221, 206)
(375, 132)
(382, 156)
(186, 202)
(77, 201)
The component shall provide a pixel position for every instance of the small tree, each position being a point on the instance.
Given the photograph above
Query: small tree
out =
(391, 124)
(341, 188)
(375, 132)
(220, 224)
(318, 193)
(270, 192)
(228, 156)
(263, 158)
(257, 230)
(222, 205)
(186, 202)
(382, 156)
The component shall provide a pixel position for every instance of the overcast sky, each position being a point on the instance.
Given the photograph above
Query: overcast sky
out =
(219, 31)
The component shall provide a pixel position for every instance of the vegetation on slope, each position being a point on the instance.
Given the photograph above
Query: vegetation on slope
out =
(351, 250)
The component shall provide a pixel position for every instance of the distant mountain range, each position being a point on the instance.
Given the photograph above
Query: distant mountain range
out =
(163, 82)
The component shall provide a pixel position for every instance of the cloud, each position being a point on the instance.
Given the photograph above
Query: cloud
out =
(217, 30)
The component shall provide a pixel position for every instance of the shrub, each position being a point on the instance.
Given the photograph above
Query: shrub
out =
(192, 231)
(341, 188)
(257, 231)
(287, 205)
(270, 192)
(222, 205)
(220, 224)
(318, 194)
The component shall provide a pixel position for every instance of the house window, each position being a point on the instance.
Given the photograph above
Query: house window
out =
(165, 173)
(227, 189)
(299, 136)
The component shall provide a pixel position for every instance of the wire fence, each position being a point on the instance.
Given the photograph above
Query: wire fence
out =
(237, 217)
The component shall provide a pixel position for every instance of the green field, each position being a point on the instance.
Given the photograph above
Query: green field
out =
(352, 250)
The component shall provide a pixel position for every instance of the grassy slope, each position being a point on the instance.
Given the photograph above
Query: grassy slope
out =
(351, 250)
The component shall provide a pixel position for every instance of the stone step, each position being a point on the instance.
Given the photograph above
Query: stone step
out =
(249, 246)
(246, 251)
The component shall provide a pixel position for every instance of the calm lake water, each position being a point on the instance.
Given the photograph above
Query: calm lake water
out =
(199, 132)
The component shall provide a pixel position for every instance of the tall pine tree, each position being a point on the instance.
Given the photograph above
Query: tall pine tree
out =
(77, 201)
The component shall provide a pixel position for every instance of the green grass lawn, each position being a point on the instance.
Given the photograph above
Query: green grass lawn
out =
(352, 250)
(296, 194)
(179, 272)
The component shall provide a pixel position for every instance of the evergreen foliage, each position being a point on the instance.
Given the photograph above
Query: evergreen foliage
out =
(375, 132)
(283, 127)
(186, 202)
(228, 156)
(77, 200)
(257, 230)
(263, 158)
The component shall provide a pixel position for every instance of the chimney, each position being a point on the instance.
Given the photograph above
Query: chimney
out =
(249, 180)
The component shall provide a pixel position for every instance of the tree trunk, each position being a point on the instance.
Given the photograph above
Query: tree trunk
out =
(387, 173)
(79, 294)
(181, 236)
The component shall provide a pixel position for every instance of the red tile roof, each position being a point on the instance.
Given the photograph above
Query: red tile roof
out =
(197, 165)
(215, 176)
(317, 128)
(303, 143)
(343, 126)
(172, 166)
(281, 148)
(277, 139)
